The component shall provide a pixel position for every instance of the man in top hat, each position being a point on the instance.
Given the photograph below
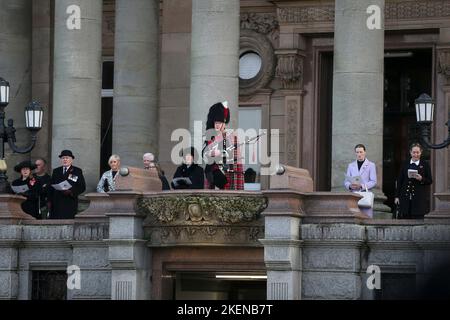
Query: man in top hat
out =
(223, 169)
(64, 203)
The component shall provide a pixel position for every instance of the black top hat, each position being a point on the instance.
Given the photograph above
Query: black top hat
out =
(218, 112)
(66, 153)
(24, 164)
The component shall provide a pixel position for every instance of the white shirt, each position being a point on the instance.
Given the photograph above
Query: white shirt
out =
(416, 162)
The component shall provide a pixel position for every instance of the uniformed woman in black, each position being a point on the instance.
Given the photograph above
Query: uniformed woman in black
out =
(411, 193)
(31, 204)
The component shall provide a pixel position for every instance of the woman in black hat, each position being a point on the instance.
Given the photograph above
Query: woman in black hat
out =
(189, 175)
(32, 186)
(64, 203)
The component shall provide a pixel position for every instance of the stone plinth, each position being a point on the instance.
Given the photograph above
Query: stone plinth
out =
(333, 207)
(99, 205)
(441, 214)
(137, 179)
(292, 178)
(10, 209)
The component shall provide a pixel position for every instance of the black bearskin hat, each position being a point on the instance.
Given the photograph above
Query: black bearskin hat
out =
(218, 112)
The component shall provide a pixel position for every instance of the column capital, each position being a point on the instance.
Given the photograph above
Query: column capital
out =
(290, 68)
(443, 53)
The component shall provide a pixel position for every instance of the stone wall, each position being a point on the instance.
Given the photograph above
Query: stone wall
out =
(316, 245)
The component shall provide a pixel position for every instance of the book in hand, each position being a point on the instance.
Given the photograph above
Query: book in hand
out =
(181, 182)
(412, 173)
(20, 189)
(62, 186)
(354, 179)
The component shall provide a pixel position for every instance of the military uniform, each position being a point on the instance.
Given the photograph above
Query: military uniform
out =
(411, 192)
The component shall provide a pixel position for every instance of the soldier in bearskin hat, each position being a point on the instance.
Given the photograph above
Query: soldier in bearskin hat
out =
(223, 170)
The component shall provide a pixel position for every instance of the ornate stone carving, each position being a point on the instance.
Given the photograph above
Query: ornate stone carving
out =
(397, 10)
(290, 70)
(444, 62)
(163, 209)
(394, 10)
(319, 13)
(252, 41)
(203, 219)
(292, 131)
(262, 23)
(197, 209)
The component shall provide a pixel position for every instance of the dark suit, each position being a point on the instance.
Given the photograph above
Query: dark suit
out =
(412, 193)
(31, 205)
(65, 206)
(194, 173)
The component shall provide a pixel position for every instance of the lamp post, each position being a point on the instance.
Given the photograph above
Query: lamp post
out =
(33, 122)
(425, 114)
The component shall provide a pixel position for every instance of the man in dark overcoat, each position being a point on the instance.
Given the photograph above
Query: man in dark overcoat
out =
(64, 204)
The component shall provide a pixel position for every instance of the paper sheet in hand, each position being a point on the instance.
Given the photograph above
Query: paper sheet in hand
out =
(65, 185)
(354, 179)
(412, 173)
(20, 189)
(182, 181)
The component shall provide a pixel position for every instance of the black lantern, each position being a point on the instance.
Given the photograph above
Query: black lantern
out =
(33, 122)
(424, 109)
(33, 116)
(425, 115)
(4, 92)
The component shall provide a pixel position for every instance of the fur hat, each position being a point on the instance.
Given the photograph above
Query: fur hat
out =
(218, 112)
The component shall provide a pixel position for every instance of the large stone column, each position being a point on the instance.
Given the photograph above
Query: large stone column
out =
(135, 112)
(15, 67)
(77, 86)
(357, 87)
(214, 58)
(41, 75)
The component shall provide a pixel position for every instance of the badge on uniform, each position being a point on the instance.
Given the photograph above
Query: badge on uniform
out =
(73, 178)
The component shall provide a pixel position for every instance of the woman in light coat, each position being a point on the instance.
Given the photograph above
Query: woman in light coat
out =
(107, 181)
(367, 172)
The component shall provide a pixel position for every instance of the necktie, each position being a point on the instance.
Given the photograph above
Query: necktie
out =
(65, 170)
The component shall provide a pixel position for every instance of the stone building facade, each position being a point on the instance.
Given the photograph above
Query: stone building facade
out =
(137, 70)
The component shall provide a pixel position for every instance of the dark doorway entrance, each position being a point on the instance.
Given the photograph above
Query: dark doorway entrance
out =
(324, 114)
(407, 74)
(213, 286)
(49, 285)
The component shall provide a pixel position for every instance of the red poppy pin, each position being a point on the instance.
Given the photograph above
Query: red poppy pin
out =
(32, 182)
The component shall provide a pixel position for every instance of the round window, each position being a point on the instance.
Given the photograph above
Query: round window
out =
(249, 65)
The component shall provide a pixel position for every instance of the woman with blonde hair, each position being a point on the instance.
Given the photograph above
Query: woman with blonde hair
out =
(107, 181)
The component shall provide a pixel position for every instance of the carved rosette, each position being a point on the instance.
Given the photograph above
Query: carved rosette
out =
(290, 70)
(444, 62)
(203, 219)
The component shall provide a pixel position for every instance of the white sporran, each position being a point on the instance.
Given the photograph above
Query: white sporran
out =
(367, 201)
